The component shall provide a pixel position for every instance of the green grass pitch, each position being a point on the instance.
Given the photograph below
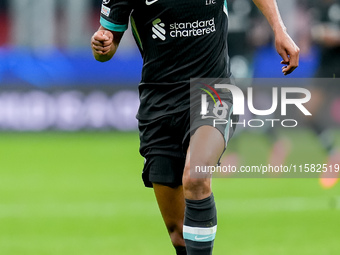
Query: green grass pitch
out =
(81, 193)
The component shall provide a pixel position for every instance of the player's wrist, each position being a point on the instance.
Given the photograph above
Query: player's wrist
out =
(279, 28)
(101, 57)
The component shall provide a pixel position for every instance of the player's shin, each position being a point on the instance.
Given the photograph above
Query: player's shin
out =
(200, 225)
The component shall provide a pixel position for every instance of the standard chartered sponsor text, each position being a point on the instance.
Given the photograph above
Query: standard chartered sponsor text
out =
(196, 28)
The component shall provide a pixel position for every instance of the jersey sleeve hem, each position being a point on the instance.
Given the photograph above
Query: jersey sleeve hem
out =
(112, 26)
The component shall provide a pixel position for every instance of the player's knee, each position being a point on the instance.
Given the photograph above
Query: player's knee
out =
(194, 185)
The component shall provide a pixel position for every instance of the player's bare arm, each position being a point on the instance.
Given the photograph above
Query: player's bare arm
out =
(104, 44)
(284, 44)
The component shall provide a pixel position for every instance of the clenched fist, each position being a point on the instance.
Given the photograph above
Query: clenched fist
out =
(103, 46)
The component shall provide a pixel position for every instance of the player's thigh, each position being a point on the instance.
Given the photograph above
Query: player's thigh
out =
(210, 132)
(206, 147)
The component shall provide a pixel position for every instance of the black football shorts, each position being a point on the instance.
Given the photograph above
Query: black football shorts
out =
(164, 142)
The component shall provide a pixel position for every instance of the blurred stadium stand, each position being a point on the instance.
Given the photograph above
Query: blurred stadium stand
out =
(53, 49)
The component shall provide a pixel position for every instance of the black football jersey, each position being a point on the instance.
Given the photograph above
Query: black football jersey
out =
(178, 40)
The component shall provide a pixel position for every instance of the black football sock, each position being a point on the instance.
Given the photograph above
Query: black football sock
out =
(200, 223)
(180, 250)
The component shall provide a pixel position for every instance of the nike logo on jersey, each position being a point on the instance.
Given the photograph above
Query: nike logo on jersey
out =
(148, 2)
